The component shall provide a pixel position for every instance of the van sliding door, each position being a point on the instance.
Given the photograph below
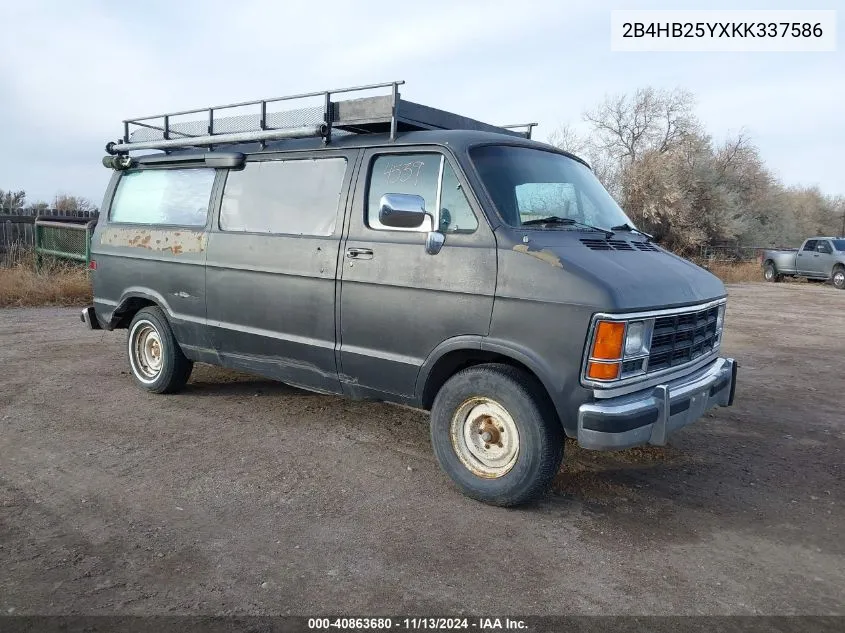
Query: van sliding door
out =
(272, 263)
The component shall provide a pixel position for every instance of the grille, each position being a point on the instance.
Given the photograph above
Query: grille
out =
(681, 338)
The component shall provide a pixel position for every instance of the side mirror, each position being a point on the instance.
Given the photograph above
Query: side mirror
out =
(402, 211)
(407, 211)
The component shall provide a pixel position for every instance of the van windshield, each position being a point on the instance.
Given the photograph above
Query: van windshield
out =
(528, 185)
(839, 245)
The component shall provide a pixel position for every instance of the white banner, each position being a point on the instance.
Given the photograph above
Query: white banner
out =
(723, 31)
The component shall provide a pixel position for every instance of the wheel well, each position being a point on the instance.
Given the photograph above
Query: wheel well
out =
(770, 261)
(128, 309)
(453, 362)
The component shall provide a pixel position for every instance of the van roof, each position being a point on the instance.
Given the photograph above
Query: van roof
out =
(457, 139)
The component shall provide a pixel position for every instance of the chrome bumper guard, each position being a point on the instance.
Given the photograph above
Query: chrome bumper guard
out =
(89, 318)
(648, 416)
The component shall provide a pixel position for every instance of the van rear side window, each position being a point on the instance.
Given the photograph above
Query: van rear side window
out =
(163, 196)
(294, 197)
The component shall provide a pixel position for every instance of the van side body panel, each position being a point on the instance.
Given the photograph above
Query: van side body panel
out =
(160, 264)
(271, 298)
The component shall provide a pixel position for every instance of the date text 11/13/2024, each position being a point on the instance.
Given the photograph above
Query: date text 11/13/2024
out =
(415, 624)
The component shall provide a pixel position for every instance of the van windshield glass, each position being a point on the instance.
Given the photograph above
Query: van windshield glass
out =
(528, 185)
(839, 245)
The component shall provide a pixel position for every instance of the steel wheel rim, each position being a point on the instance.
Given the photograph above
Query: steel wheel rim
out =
(769, 273)
(145, 351)
(485, 437)
(839, 278)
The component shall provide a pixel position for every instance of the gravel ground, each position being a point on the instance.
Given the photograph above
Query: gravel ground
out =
(249, 497)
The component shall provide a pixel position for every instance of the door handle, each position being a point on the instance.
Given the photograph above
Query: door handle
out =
(354, 252)
(816, 255)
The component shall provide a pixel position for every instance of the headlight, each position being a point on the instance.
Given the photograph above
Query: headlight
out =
(619, 349)
(638, 338)
(720, 321)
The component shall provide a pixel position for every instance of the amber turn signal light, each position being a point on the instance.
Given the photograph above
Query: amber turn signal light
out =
(603, 371)
(609, 340)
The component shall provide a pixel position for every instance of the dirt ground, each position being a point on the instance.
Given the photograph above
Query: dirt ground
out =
(246, 496)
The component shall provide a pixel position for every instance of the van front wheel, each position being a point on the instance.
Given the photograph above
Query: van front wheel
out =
(155, 358)
(494, 432)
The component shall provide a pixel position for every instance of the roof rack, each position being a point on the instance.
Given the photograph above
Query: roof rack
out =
(320, 114)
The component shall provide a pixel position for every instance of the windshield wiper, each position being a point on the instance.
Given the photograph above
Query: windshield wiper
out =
(631, 229)
(556, 219)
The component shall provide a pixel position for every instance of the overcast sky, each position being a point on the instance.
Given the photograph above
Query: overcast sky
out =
(71, 71)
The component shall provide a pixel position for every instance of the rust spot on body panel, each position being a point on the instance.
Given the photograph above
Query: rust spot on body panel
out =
(162, 240)
(543, 255)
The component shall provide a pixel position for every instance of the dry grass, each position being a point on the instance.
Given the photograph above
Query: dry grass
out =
(59, 284)
(732, 273)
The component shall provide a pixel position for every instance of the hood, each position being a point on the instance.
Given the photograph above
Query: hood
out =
(624, 273)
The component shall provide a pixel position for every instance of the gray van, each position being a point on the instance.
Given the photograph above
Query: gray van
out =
(372, 247)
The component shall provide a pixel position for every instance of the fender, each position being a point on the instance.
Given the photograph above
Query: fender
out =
(463, 342)
(555, 383)
(141, 292)
(561, 383)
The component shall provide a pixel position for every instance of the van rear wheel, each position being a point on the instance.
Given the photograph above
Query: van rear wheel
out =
(155, 358)
(495, 433)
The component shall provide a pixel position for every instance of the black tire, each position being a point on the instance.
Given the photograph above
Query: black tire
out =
(770, 273)
(539, 449)
(169, 374)
(838, 277)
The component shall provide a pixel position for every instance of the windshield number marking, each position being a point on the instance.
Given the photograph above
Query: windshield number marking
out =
(404, 172)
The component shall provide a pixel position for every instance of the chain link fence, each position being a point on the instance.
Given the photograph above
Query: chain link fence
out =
(63, 240)
(63, 236)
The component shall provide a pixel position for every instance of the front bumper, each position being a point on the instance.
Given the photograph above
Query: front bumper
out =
(648, 416)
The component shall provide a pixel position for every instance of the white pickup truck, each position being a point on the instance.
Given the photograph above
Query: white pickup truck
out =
(818, 259)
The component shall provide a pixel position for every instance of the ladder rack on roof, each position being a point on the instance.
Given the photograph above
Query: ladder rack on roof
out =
(260, 121)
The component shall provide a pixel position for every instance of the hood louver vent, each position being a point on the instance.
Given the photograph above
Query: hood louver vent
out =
(597, 245)
(618, 245)
(646, 246)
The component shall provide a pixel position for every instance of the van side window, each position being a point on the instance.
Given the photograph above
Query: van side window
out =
(403, 173)
(419, 174)
(456, 216)
(163, 196)
(294, 197)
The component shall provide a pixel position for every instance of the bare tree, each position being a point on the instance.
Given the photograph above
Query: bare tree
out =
(650, 119)
(569, 140)
(68, 203)
(649, 150)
